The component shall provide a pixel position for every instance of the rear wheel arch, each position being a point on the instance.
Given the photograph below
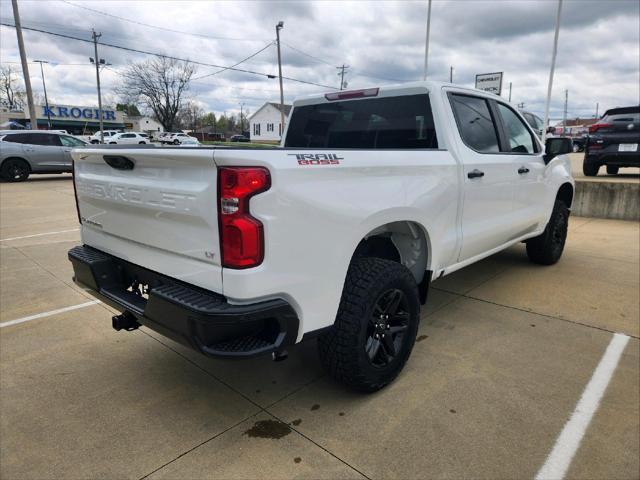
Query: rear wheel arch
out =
(405, 242)
(14, 158)
(565, 194)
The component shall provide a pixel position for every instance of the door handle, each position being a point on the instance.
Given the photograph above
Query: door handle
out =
(523, 170)
(475, 174)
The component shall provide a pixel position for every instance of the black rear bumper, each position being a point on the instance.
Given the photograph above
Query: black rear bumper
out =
(192, 316)
(613, 158)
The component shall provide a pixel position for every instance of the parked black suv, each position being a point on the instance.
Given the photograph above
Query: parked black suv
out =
(239, 138)
(613, 141)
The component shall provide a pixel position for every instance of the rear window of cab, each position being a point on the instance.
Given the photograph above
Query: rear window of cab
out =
(401, 122)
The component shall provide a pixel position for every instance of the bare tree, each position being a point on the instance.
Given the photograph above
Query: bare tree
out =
(159, 84)
(11, 93)
(190, 115)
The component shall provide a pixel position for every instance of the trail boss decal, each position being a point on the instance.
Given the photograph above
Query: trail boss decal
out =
(317, 158)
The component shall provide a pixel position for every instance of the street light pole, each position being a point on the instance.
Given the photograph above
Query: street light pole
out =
(97, 62)
(554, 53)
(426, 44)
(279, 27)
(44, 87)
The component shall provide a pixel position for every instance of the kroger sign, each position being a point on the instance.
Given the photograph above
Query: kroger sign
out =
(77, 113)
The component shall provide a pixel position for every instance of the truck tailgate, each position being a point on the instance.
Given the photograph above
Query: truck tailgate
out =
(161, 214)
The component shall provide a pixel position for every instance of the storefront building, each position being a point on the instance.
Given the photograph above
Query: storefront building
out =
(74, 119)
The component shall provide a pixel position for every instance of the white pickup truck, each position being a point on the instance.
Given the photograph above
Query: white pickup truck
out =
(336, 234)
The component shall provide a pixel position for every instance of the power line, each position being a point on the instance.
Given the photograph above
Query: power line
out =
(307, 55)
(252, 72)
(52, 63)
(367, 75)
(201, 35)
(363, 74)
(236, 64)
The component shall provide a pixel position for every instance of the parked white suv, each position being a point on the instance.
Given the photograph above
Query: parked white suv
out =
(337, 234)
(95, 138)
(176, 138)
(128, 138)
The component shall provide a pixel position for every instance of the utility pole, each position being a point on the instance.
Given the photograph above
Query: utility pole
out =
(564, 114)
(279, 27)
(44, 87)
(597, 106)
(554, 53)
(451, 74)
(241, 120)
(96, 36)
(426, 43)
(25, 65)
(509, 91)
(342, 69)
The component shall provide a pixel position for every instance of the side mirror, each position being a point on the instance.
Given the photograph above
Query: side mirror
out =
(556, 146)
(551, 129)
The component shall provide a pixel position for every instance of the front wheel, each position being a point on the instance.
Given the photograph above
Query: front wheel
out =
(546, 249)
(15, 170)
(176, 142)
(375, 327)
(576, 148)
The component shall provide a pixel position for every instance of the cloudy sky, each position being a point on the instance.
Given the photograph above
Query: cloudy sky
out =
(382, 42)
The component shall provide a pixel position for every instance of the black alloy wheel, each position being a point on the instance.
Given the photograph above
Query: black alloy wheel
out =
(15, 170)
(387, 326)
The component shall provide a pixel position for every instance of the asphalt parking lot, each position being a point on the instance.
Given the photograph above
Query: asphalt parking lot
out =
(504, 353)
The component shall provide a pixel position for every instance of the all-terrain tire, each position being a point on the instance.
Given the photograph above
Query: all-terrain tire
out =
(546, 249)
(611, 170)
(343, 349)
(590, 170)
(15, 170)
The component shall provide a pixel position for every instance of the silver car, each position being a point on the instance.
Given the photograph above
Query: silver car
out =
(35, 151)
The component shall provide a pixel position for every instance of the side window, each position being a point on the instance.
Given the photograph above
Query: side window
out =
(44, 139)
(70, 141)
(531, 120)
(15, 138)
(477, 127)
(518, 135)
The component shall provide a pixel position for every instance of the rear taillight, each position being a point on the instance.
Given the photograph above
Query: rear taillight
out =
(597, 126)
(75, 191)
(241, 235)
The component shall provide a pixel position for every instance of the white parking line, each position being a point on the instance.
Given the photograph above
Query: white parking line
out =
(48, 314)
(567, 444)
(39, 235)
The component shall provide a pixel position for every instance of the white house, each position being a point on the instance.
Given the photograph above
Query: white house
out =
(144, 124)
(265, 124)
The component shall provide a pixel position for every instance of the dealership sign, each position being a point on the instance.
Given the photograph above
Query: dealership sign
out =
(77, 113)
(489, 82)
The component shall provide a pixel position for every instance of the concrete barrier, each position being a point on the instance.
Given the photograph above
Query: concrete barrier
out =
(615, 200)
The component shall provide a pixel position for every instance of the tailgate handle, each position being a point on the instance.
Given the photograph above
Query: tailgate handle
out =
(118, 162)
